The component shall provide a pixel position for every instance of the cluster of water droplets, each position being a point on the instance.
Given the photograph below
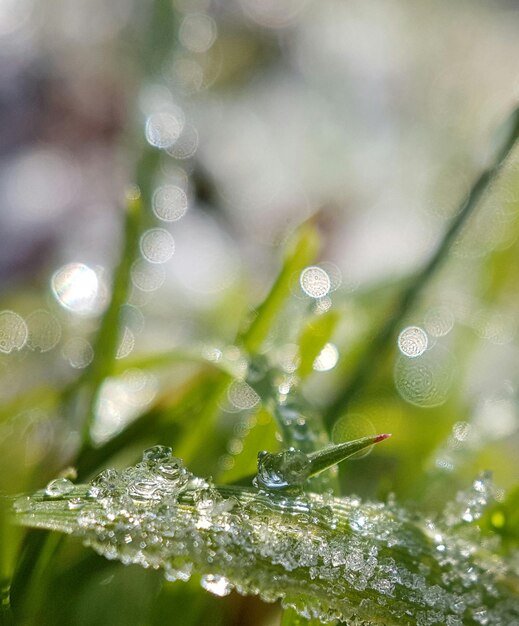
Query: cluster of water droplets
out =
(326, 557)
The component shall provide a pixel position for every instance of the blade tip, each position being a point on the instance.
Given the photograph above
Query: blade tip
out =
(382, 437)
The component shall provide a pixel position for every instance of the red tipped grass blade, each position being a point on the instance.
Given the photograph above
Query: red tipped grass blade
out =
(324, 459)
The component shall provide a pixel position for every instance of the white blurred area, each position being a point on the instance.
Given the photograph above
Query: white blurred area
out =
(264, 114)
(360, 112)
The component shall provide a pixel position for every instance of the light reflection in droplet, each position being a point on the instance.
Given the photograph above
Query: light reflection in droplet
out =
(425, 380)
(272, 13)
(169, 203)
(126, 344)
(413, 341)
(157, 245)
(76, 287)
(327, 358)
(242, 396)
(13, 332)
(217, 585)
(78, 352)
(322, 305)
(163, 129)
(197, 32)
(147, 277)
(439, 321)
(44, 330)
(186, 145)
(315, 282)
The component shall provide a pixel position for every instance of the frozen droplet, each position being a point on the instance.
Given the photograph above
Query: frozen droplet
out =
(157, 245)
(59, 487)
(242, 396)
(157, 453)
(78, 352)
(178, 572)
(218, 585)
(169, 203)
(106, 484)
(13, 332)
(412, 341)
(327, 358)
(315, 282)
(146, 276)
(44, 330)
(290, 468)
(164, 128)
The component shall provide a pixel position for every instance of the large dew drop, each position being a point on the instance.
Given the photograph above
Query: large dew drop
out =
(59, 487)
(290, 468)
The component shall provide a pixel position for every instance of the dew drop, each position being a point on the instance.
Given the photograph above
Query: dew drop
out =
(169, 203)
(218, 585)
(315, 282)
(59, 487)
(290, 468)
(13, 332)
(157, 245)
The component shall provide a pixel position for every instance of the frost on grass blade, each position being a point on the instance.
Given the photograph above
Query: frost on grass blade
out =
(325, 557)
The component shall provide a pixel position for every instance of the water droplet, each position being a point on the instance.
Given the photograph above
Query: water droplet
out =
(327, 358)
(169, 203)
(412, 341)
(218, 585)
(157, 245)
(59, 487)
(13, 332)
(77, 288)
(290, 468)
(44, 331)
(315, 282)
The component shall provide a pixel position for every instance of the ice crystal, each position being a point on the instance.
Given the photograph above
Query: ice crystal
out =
(329, 558)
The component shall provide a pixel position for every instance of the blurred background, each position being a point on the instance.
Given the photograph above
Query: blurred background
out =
(239, 121)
